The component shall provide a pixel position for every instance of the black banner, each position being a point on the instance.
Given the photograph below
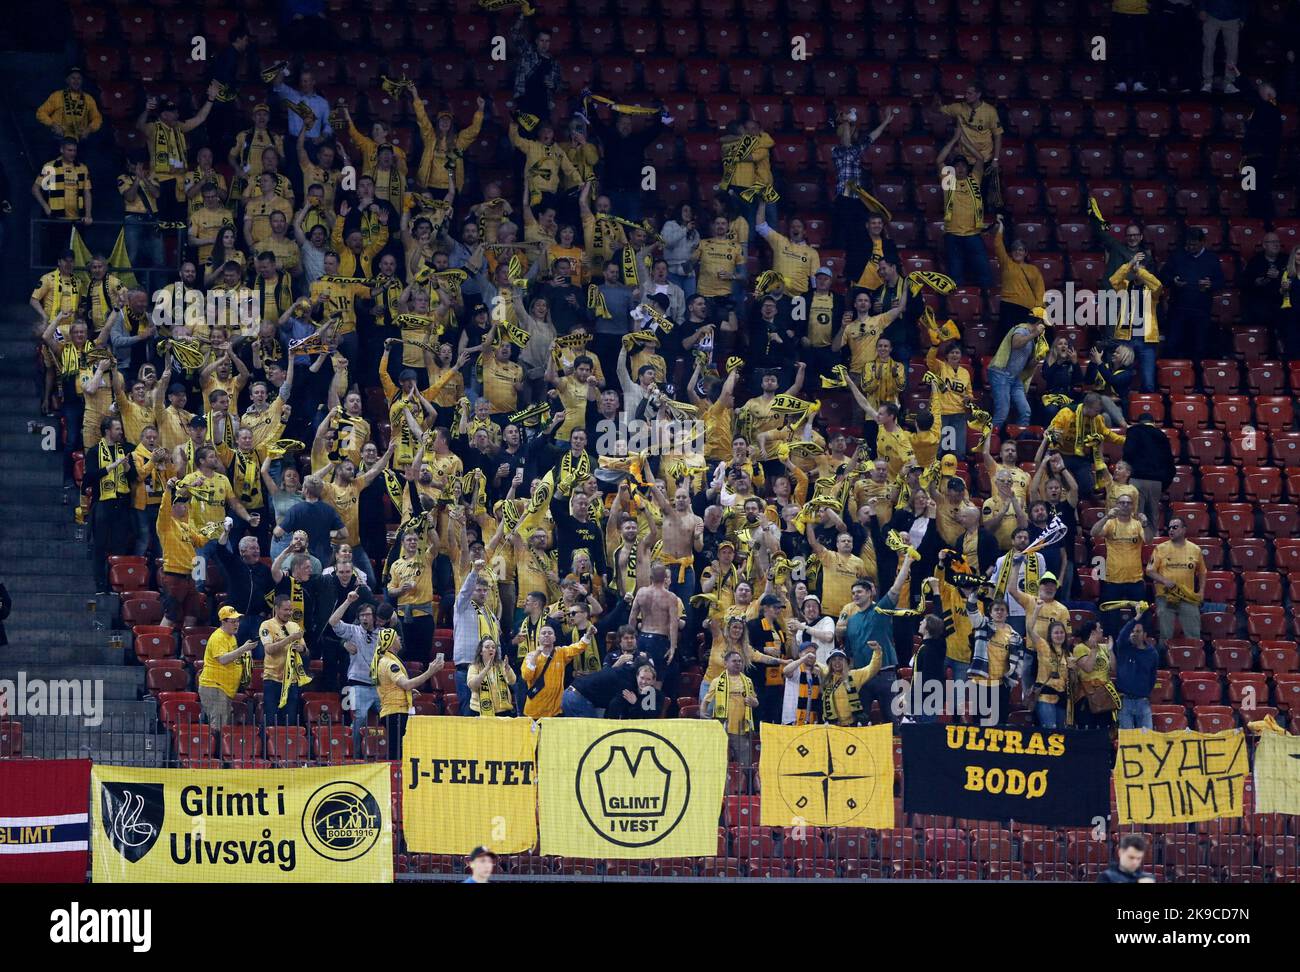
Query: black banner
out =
(1043, 776)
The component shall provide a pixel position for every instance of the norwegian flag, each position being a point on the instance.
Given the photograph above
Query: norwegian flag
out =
(44, 820)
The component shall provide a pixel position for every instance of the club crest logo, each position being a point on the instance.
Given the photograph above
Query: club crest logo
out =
(633, 787)
(132, 816)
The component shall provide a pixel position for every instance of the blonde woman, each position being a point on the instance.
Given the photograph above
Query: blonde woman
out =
(1091, 682)
(491, 682)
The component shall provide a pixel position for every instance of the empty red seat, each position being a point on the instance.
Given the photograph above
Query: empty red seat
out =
(1263, 484)
(1185, 654)
(240, 743)
(1278, 656)
(1206, 447)
(1168, 718)
(165, 675)
(287, 744)
(1249, 554)
(1230, 412)
(1220, 587)
(1200, 688)
(1221, 485)
(1286, 692)
(1214, 718)
(1274, 412)
(1266, 378)
(1231, 654)
(1265, 621)
(138, 609)
(1175, 376)
(153, 642)
(1189, 411)
(1261, 587)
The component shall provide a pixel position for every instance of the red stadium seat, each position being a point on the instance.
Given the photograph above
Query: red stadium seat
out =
(1265, 621)
(1200, 688)
(1220, 484)
(153, 642)
(1168, 718)
(1214, 718)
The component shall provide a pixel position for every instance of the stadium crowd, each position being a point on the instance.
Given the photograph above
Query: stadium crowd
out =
(363, 397)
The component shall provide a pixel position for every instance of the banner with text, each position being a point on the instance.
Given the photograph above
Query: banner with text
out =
(631, 789)
(282, 826)
(827, 776)
(469, 782)
(1053, 777)
(44, 821)
(1277, 774)
(1179, 777)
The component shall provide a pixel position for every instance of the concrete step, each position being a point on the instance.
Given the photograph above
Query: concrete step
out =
(120, 682)
(56, 550)
(80, 641)
(44, 531)
(125, 749)
(41, 478)
(73, 655)
(75, 566)
(116, 716)
(42, 507)
(28, 446)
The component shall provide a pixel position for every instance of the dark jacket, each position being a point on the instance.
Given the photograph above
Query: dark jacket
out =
(1113, 875)
(623, 156)
(1147, 451)
(1188, 298)
(6, 605)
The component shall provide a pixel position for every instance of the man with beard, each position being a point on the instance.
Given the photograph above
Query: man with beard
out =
(1024, 571)
(248, 583)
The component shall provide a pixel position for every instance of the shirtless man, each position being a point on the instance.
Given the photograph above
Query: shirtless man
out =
(660, 611)
(683, 537)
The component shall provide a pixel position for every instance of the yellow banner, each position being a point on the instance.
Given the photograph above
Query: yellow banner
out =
(631, 789)
(1179, 777)
(269, 826)
(827, 776)
(1277, 774)
(469, 782)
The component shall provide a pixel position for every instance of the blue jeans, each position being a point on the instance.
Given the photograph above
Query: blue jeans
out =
(275, 716)
(364, 698)
(685, 281)
(1007, 390)
(146, 536)
(462, 690)
(965, 260)
(1134, 713)
(1144, 357)
(1049, 715)
(575, 705)
(144, 245)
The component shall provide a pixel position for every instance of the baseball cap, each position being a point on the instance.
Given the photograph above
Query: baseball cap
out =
(261, 106)
(73, 70)
(811, 597)
(1048, 578)
(836, 651)
(406, 375)
(198, 422)
(228, 613)
(481, 851)
(824, 272)
(176, 388)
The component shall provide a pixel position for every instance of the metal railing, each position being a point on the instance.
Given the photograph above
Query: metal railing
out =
(1256, 848)
(99, 237)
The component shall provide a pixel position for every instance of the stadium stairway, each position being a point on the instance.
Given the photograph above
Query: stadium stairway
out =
(53, 632)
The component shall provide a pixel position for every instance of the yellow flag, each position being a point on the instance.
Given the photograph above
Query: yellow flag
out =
(120, 261)
(1179, 777)
(469, 783)
(1277, 774)
(631, 789)
(80, 258)
(317, 824)
(827, 776)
